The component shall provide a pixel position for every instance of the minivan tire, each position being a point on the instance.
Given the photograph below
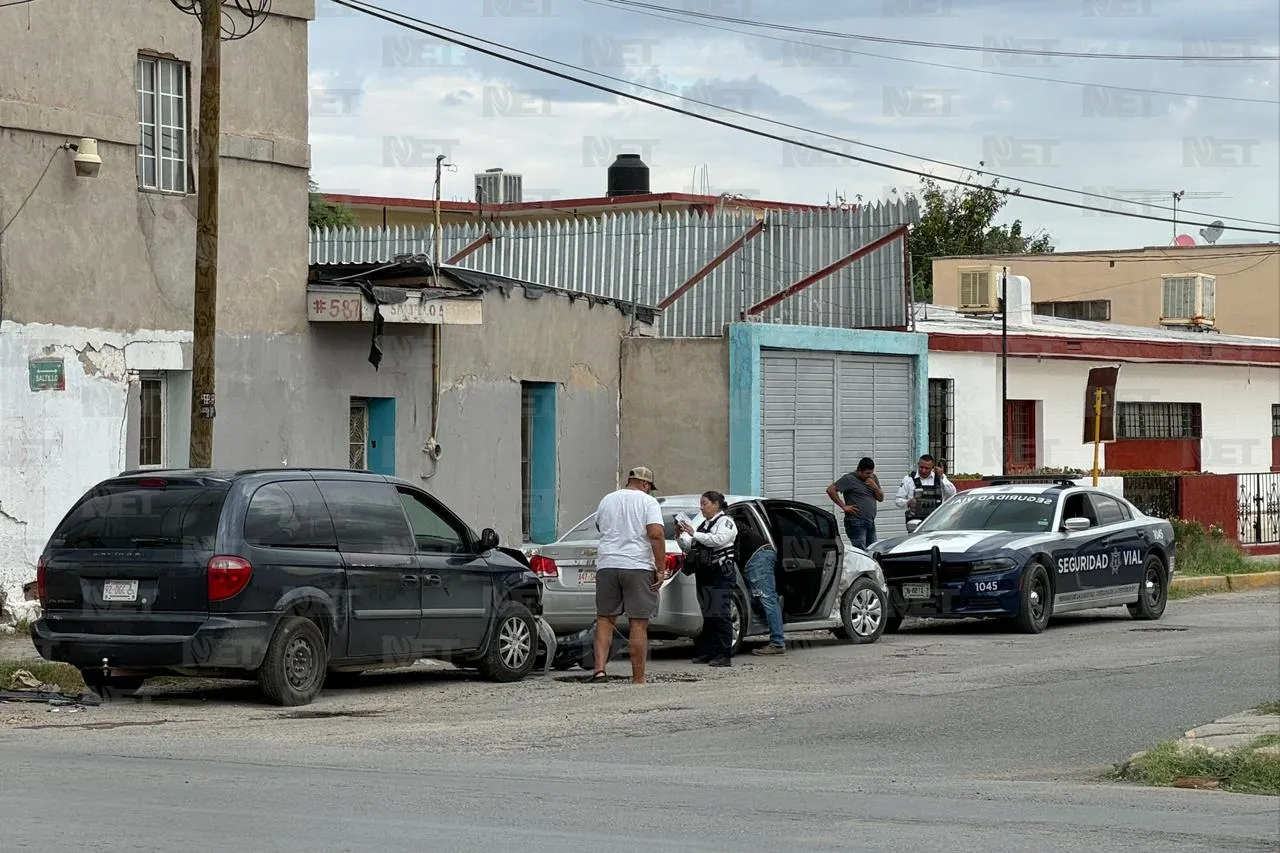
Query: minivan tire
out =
(295, 665)
(513, 645)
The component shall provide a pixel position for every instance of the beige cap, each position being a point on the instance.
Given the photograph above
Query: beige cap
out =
(642, 473)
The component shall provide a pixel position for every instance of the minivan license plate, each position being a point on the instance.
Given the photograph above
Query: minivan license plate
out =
(120, 591)
(915, 590)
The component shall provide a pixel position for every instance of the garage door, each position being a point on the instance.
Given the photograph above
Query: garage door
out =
(822, 412)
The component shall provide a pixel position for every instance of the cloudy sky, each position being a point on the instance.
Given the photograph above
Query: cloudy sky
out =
(386, 100)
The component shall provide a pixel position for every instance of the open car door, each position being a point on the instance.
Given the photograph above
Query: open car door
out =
(810, 552)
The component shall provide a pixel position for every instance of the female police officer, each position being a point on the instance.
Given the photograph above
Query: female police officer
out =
(710, 558)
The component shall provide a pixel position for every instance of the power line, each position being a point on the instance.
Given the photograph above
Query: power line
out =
(429, 29)
(1150, 57)
(608, 5)
(16, 3)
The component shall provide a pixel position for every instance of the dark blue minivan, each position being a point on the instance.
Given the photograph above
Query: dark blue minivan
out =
(285, 575)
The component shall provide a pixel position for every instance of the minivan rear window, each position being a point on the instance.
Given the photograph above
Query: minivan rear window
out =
(127, 515)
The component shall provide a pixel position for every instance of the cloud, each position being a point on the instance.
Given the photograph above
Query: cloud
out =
(386, 101)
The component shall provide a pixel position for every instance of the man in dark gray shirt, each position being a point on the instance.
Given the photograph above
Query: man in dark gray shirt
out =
(857, 494)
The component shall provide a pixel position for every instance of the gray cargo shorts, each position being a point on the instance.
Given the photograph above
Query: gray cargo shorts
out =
(626, 589)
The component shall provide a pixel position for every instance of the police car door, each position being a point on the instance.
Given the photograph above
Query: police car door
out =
(1126, 547)
(1080, 556)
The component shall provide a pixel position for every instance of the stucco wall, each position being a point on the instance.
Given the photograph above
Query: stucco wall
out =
(546, 339)
(675, 411)
(1235, 407)
(1248, 301)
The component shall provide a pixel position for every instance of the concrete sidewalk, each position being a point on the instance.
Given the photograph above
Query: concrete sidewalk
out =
(1235, 730)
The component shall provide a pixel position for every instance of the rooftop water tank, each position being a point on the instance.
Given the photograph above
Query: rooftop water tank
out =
(628, 176)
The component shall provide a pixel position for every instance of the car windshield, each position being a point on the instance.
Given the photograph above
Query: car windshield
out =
(1014, 513)
(586, 529)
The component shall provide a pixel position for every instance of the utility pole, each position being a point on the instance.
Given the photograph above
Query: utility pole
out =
(205, 327)
(216, 24)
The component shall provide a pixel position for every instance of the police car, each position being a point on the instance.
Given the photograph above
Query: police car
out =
(1028, 552)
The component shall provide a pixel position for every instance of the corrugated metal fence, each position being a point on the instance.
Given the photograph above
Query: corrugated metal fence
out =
(643, 256)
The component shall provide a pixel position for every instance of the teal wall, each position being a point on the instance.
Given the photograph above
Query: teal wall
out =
(745, 415)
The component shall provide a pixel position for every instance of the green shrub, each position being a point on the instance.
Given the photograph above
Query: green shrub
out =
(1206, 551)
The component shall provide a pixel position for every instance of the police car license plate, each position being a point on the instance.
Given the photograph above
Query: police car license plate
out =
(586, 576)
(916, 590)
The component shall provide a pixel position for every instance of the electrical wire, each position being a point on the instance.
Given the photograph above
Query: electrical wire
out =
(1146, 57)
(39, 180)
(428, 29)
(16, 3)
(1199, 96)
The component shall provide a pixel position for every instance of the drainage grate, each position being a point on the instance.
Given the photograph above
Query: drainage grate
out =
(1158, 629)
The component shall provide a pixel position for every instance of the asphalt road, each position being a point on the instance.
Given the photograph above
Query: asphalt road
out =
(964, 737)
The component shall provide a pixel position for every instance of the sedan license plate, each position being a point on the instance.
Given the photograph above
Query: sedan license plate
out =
(916, 590)
(120, 591)
(586, 576)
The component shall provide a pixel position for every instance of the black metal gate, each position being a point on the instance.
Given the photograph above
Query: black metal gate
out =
(1259, 513)
(1156, 496)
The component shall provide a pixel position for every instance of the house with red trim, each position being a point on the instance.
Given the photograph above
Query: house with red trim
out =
(1185, 401)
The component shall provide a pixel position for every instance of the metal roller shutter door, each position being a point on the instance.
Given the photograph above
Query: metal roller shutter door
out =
(822, 412)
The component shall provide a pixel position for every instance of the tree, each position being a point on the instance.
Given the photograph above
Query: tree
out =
(958, 221)
(326, 214)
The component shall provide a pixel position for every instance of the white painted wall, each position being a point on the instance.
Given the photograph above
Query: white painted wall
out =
(54, 445)
(1235, 407)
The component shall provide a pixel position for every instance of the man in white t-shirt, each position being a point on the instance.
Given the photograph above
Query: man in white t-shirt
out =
(630, 568)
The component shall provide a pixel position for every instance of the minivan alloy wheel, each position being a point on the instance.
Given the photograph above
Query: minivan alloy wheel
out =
(515, 643)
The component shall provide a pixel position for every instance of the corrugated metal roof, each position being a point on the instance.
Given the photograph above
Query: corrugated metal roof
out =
(642, 257)
(941, 319)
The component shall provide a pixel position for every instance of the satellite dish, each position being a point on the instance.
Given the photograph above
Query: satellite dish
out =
(1212, 232)
(1184, 240)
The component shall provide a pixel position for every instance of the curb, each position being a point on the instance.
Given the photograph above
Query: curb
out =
(1228, 583)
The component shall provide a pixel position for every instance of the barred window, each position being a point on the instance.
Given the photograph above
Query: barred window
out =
(942, 420)
(1275, 420)
(1158, 420)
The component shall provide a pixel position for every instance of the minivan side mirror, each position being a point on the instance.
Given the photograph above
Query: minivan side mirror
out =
(488, 539)
(1076, 523)
(913, 524)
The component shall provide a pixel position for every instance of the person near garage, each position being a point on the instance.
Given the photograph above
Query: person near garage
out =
(759, 560)
(922, 491)
(857, 494)
(708, 544)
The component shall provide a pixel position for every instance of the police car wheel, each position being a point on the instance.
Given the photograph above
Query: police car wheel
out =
(1037, 599)
(1153, 593)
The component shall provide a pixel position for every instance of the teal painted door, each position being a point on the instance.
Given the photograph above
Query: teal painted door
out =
(381, 452)
(538, 451)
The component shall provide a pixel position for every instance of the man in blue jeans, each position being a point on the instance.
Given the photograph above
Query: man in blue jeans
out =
(857, 494)
(758, 560)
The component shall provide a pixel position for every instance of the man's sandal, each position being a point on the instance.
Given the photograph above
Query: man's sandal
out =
(599, 676)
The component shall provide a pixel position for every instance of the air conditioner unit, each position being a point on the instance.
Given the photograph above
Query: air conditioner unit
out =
(494, 186)
(1187, 299)
(979, 290)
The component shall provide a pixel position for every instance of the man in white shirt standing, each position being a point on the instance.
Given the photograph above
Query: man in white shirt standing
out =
(921, 493)
(630, 568)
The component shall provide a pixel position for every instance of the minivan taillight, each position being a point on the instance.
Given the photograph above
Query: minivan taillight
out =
(544, 567)
(228, 576)
(42, 582)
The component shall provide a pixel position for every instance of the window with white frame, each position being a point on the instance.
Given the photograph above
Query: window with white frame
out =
(164, 128)
(151, 421)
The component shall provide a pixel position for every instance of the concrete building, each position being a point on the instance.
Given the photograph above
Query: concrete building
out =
(1184, 401)
(1228, 288)
(96, 271)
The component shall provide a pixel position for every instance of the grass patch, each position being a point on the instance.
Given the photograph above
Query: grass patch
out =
(1266, 740)
(1206, 551)
(65, 676)
(1272, 707)
(1239, 770)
